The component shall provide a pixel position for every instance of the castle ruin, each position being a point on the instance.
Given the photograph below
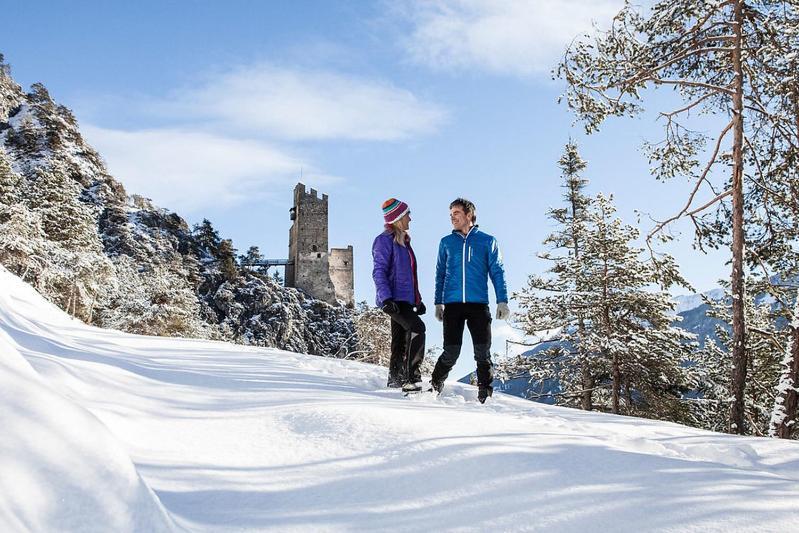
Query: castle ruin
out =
(325, 275)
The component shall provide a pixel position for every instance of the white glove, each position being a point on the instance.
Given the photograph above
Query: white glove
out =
(503, 313)
(440, 312)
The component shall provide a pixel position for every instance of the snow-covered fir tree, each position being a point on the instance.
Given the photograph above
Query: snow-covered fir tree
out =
(716, 55)
(614, 317)
(785, 411)
(769, 339)
(554, 302)
(632, 319)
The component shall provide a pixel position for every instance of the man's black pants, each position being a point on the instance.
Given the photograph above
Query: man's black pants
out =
(477, 317)
(407, 346)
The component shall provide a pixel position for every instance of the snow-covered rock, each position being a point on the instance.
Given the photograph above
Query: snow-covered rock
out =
(116, 260)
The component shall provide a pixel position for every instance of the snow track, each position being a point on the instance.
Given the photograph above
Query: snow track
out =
(210, 436)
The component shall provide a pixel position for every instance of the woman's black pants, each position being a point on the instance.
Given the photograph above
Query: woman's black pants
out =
(407, 346)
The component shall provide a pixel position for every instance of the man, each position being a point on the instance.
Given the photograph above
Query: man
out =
(466, 259)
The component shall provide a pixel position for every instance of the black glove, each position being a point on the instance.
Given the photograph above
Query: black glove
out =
(390, 307)
(421, 309)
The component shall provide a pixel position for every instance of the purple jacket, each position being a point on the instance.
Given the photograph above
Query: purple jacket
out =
(394, 271)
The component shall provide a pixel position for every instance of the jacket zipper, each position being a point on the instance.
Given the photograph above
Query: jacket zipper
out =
(463, 262)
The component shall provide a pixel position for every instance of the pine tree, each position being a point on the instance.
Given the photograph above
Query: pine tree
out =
(767, 341)
(632, 326)
(562, 309)
(207, 240)
(785, 410)
(10, 181)
(151, 301)
(23, 245)
(711, 53)
(226, 255)
(610, 320)
(253, 255)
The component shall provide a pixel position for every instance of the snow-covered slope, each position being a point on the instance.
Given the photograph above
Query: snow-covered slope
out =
(232, 438)
(60, 467)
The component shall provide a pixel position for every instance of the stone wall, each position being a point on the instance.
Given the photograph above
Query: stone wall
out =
(341, 273)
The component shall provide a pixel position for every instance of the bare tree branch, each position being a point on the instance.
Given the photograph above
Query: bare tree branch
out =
(699, 182)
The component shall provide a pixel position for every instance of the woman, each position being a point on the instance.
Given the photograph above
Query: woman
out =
(398, 295)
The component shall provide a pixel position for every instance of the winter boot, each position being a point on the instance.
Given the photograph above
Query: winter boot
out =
(436, 386)
(411, 387)
(483, 393)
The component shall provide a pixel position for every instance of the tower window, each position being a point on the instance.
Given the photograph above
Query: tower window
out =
(318, 256)
(313, 247)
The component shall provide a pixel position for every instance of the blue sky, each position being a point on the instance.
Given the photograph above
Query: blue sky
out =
(215, 109)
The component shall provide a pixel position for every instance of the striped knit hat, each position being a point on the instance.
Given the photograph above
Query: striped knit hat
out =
(394, 210)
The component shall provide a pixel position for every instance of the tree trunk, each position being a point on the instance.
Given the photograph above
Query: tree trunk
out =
(616, 384)
(783, 421)
(587, 396)
(791, 397)
(587, 400)
(739, 355)
(628, 395)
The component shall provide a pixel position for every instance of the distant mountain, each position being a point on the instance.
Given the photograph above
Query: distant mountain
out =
(688, 302)
(117, 261)
(692, 310)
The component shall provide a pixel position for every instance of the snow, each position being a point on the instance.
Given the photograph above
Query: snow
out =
(116, 432)
(692, 301)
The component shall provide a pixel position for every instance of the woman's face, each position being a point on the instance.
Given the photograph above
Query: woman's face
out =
(405, 222)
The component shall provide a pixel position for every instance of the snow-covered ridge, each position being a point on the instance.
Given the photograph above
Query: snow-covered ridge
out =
(692, 301)
(233, 438)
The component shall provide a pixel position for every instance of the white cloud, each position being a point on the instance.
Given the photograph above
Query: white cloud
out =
(187, 171)
(516, 37)
(214, 145)
(296, 104)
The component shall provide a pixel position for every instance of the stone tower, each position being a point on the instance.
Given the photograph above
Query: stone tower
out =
(341, 274)
(327, 276)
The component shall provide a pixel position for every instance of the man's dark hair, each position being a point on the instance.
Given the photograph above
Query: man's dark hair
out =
(467, 206)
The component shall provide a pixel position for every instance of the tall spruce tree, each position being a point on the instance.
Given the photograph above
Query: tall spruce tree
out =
(617, 349)
(712, 54)
(553, 302)
(632, 315)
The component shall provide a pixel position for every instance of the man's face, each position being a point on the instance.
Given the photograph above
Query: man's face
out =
(460, 222)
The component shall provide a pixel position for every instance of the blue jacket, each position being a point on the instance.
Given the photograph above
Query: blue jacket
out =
(464, 265)
(394, 270)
